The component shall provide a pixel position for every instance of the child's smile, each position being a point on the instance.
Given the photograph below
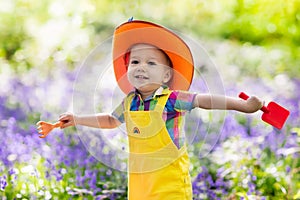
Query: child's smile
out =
(141, 77)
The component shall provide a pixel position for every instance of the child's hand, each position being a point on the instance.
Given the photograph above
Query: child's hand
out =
(68, 119)
(253, 104)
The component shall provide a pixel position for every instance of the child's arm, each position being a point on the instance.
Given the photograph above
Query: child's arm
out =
(97, 121)
(207, 101)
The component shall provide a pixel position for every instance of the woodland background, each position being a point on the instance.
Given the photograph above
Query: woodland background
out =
(247, 45)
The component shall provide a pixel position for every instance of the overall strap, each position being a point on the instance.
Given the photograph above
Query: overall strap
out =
(161, 102)
(127, 101)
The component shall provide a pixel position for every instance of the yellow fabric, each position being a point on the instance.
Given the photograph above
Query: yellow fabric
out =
(157, 169)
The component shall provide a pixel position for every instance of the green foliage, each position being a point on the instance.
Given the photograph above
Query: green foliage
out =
(50, 33)
(265, 176)
(260, 38)
(27, 181)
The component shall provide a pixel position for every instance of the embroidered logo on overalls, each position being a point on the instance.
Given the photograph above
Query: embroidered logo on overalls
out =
(136, 130)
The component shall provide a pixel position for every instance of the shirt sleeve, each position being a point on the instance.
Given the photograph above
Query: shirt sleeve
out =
(118, 113)
(183, 100)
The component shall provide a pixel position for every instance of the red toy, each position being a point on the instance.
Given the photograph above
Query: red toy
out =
(274, 114)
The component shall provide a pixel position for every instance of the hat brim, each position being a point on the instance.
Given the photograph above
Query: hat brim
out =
(135, 32)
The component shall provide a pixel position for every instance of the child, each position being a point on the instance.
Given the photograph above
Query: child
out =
(154, 67)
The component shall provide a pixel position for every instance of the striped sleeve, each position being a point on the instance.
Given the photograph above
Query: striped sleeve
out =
(184, 100)
(118, 113)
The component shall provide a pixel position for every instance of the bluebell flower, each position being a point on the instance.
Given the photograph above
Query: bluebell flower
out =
(3, 183)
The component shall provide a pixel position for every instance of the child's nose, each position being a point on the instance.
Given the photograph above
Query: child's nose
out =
(141, 67)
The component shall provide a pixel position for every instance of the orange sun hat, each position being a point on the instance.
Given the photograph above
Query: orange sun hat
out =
(134, 32)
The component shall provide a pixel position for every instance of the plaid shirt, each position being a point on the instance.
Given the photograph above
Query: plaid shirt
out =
(178, 103)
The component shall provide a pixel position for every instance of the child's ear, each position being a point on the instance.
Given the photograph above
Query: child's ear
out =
(167, 76)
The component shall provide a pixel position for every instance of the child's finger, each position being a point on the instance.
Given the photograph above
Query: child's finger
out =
(39, 128)
(66, 124)
(64, 118)
(39, 123)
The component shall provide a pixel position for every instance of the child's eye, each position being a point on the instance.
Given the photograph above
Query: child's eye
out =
(134, 62)
(151, 63)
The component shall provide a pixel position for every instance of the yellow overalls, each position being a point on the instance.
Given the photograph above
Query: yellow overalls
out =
(157, 169)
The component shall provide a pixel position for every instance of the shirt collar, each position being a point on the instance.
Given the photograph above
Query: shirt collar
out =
(162, 90)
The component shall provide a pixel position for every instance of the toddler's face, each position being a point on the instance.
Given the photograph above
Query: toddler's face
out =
(148, 68)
